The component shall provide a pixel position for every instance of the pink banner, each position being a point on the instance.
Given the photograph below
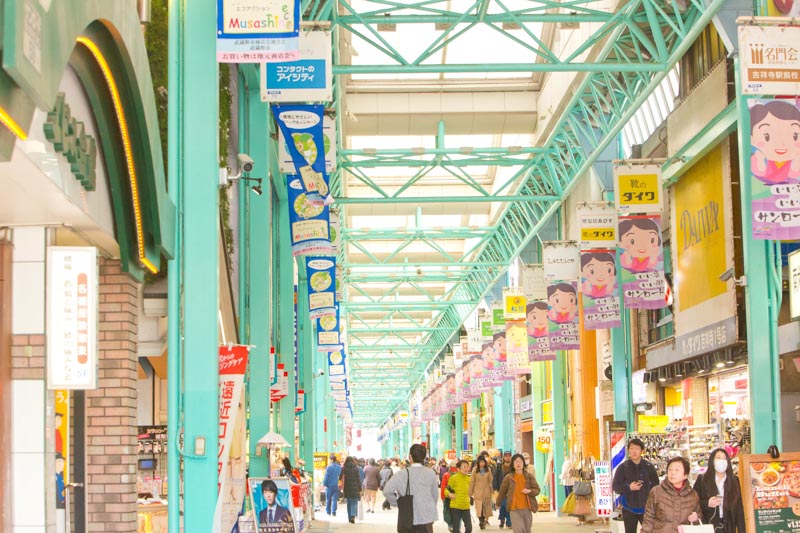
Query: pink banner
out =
(538, 332)
(599, 289)
(642, 262)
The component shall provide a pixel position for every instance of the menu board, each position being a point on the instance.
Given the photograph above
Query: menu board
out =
(771, 493)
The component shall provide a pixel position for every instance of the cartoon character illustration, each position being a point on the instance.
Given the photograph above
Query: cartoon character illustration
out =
(450, 384)
(563, 301)
(599, 273)
(60, 486)
(517, 338)
(477, 368)
(775, 138)
(488, 356)
(640, 239)
(536, 313)
(499, 346)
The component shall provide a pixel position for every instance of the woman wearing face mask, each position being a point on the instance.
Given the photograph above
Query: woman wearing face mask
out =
(720, 496)
(673, 502)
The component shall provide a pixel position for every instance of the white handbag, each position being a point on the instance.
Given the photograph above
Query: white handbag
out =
(700, 527)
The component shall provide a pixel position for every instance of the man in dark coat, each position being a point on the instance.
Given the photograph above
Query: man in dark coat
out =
(632, 481)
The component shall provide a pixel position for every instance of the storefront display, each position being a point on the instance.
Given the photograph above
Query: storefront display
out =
(771, 492)
(661, 447)
(702, 439)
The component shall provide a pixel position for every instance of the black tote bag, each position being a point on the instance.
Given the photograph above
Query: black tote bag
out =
(405, 507)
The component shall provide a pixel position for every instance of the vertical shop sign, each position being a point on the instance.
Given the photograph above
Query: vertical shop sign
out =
(598, 225)
(62, 446)
(231, 467)
(514, 301)
(599, 290)
(775, 168)
(72, 294)
(642, 262)
(300, 403)
(561, 270)
(321, 292)
(533, 284)
(309, 222)
(638, 188)
(303, 132)
(306, 78)
(604, 497)
(769, 59)
(257, 31)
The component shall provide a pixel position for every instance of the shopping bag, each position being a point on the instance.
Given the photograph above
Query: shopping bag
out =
(361, 509)
(447, 516)
(583, 506)
(405, 508)
(582, 488)
(569, 505)
(696, 528)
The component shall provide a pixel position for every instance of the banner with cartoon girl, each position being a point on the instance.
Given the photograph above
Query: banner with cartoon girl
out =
(517, 348)
(561, 269)
(642, 261)
(492, 372)
(538, 332)
(450, 402)
(599, 290)
(775, 167)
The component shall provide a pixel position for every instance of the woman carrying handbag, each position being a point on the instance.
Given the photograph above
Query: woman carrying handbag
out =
(720, 496)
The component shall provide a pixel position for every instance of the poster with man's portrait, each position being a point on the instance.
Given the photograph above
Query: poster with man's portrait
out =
(272, 502)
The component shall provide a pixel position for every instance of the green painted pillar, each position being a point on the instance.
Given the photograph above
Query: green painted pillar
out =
(445, 433)
(459, 430)
(538, 395)
(284, 267)
(306, 350)
(504, 416)
(199, 123)
(762, 302)
(475, 426)
(258, 248)
(317, 394)
(621, 371)
(560, 411)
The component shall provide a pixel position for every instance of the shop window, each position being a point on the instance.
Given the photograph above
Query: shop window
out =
(704, 54)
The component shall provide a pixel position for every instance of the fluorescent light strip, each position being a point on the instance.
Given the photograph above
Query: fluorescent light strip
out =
(9, 123)
(126, 142)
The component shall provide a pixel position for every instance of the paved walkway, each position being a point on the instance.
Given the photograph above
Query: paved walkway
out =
(386, 522)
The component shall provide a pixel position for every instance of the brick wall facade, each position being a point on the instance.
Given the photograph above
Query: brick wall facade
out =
(111, 424)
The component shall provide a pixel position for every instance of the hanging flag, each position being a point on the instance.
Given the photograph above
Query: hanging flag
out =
(321, 293)
(302, 128)
(450, 392)
(493, 373)
(309, 224)
(305, 78)
(533, 284)
(515, 302)
(328, 333)
(642, 262)
(258, 31)
(300, 402)
(539, 332)
(599, 290)
(561, 270)
(598, 225)
(336, 366)
(637, 188)
(517, 348)
(775, 168)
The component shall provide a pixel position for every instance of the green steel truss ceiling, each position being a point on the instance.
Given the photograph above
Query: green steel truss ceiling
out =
(462, 127)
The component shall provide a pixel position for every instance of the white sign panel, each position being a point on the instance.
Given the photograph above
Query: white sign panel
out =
(533, 284)
(794, 284)
(308, 79)
(769, 55)
(598, 226)
(72, 295)
(285, 162)
(604, 497)
(561, 260)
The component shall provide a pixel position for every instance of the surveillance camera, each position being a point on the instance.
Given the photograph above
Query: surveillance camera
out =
(728, 274)
(246, 162)
(320, 372)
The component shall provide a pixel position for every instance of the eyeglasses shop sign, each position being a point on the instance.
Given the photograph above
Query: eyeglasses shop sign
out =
(72, 295)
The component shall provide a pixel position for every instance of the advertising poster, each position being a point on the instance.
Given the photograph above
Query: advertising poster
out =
(638, 188)
(771, 492)
(450, 401)
(533, 284)
(775, 166)
(257, 31)
(598, 225)
(769, 59)
(302, 129)
(599, 290)
(561, 270)
(328, 339)
(62, 447)
(336, 365)
(500, 353)
(272, 505)
(539, 332)
(517, 348)
(642, 262)
(514, 304)
(321, 292)
(309, 222)
(232, 425)
(307, 77)
(604, 496)
(476, 375)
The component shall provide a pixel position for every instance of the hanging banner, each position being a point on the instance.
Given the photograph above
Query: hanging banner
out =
(280, 389)
(599, 291)
(637, 188)
(321, 293)
(486, 330)
(642, 262)
(500, 353)
(231, 464)
(336, 365)
(62, 447)
(475, 365)
(258, 31)
(561, 270)
(335, 226)
(498, 319)
(514, 300)
(302, 130)
(517, 348)
(307, 77)
(598, 225)
(72, 295)
(533, 284)
(300, 402)
(768, 58)
(474, 341)
(328, 334)
(539, 332)
(308, 222)
(450, 392)
(775, 166)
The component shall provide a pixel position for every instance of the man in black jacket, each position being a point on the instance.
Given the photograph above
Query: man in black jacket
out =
(632, 481)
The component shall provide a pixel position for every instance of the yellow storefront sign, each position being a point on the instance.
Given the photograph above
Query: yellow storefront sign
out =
(547, 412)
(653, 423)
(638, 189)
